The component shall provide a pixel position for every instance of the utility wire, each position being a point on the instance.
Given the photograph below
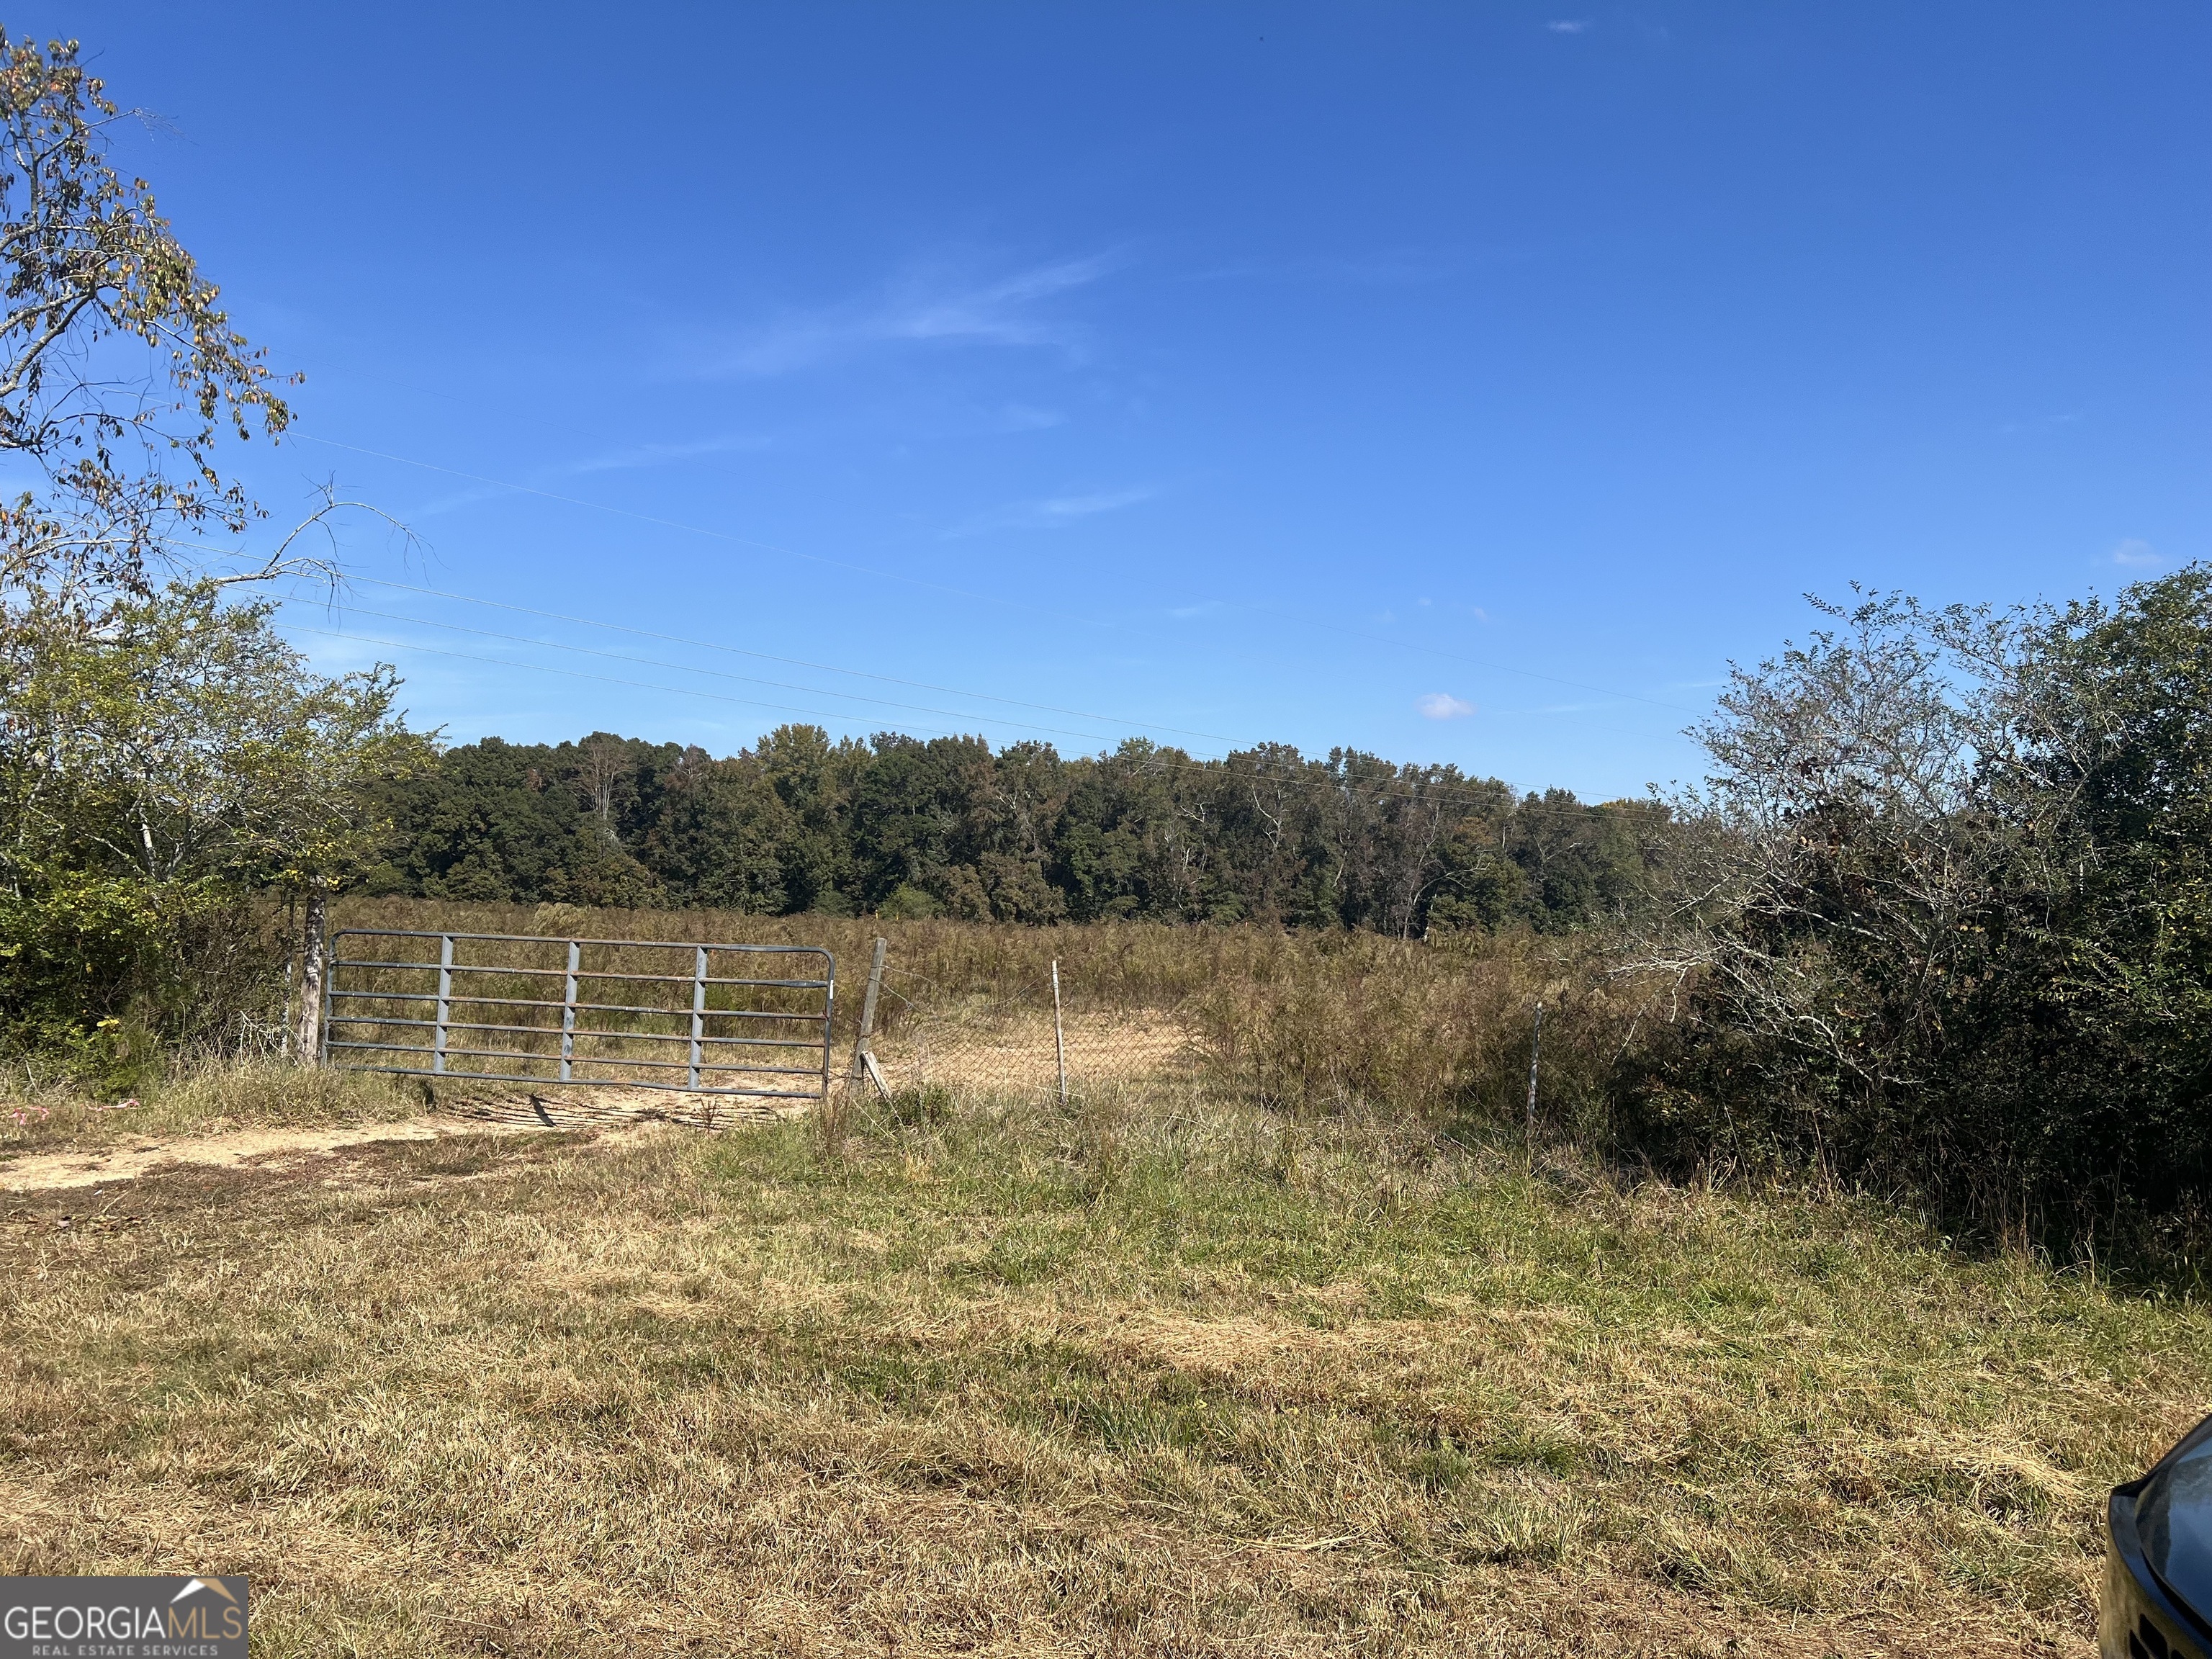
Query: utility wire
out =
(577, 674)
(795, 662)
(502, 662)
(702, 530)
(721, 674)
(1333, 629)
(710, 645)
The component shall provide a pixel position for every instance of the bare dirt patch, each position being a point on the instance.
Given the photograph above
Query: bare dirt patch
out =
(242, 1148)
(460, 1112)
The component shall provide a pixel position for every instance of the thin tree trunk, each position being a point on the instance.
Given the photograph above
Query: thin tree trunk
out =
(307, 1033)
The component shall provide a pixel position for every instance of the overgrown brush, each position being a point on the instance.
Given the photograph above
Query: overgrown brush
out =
(1942, 910)
(1441, 1034)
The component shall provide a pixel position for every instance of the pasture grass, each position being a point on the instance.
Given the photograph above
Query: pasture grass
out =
(1166, 1372)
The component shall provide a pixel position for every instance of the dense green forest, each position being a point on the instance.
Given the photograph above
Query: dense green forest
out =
(899, 826)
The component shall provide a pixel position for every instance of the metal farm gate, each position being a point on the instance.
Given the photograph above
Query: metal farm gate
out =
(511, 1008)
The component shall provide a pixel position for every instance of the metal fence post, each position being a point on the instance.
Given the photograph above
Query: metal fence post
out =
(1535, 1049)
(829, 1014)
(324, 994)
(698, 1012)
(445, 1001)
(1059, 1036)
(568, 1012)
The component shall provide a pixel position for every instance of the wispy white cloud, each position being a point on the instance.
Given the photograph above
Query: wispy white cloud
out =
(2043, 423)
(637, 455)
(1051, 512)
(1191, 612)
(1569, 25)
(2137, 553)
(929, 304)
(1443, 706)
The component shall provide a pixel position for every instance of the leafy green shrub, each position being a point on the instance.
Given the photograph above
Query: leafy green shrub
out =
(1945, 917)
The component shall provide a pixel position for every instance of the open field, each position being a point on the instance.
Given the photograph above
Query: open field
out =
(1299, 1019)
(1164, 1374)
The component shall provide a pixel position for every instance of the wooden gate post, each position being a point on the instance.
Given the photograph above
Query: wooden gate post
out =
(308, 1028)
(864, 1053)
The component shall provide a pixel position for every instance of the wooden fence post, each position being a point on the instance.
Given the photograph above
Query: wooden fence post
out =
(864, 1053)
(308, 1031)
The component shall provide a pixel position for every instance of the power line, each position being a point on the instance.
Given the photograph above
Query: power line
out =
(740, 651)
(499, 662)
(685, 668)
(702, 530)
(1331, 628)
(795, 662)
(577, 674)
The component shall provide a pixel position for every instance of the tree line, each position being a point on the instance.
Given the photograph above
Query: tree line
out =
(905, 827)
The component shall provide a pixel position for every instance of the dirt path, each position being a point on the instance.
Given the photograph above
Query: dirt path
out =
(260, 1148)
(609, 1112)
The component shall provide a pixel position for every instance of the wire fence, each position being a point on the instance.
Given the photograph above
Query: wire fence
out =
(508, 1026)
(1029, 1037)
(1290, 1028)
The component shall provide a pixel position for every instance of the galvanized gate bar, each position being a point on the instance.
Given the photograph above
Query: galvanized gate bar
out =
(703, 1073)
(533, 1002)
(582, 1031)
(642, 979)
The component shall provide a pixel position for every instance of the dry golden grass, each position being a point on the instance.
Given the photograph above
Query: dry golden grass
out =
(200, 1096)
(1164, 1374)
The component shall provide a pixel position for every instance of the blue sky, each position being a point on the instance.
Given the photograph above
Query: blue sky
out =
(1462, 383)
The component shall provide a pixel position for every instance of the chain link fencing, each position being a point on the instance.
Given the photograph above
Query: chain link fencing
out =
(1021, 1039)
